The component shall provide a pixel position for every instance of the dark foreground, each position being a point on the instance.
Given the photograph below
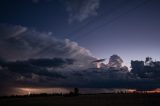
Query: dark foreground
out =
(85, 100)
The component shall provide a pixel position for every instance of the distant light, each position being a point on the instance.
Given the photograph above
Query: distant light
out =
(98, 65)
(29, 93)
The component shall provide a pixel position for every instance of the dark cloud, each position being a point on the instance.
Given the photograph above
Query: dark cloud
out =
(36, 73)
(80, 10)
(33, 69)
(31, 73)
(56, 62)
(146, 71)
(21, 43)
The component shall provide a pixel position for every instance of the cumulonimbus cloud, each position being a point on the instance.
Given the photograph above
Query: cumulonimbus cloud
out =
(37, 59)
(20, 43)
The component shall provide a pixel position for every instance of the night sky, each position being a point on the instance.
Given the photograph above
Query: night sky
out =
(39, 39)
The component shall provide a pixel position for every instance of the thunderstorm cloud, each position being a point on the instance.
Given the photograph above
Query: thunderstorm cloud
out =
(30, 58)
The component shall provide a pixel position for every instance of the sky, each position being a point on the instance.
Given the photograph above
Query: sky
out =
(104, 27)
(74, 33)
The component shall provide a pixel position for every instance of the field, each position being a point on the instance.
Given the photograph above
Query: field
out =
(84, 100)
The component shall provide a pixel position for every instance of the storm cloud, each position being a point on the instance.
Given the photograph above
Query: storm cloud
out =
(30, 58)
(20, 43)
(34, 74)
(32, 70)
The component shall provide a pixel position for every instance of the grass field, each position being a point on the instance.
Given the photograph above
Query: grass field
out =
(85, 100)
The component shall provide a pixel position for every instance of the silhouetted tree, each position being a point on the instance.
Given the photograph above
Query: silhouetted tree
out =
(76, 91)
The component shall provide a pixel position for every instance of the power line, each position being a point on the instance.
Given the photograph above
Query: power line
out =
(98, 18)
(114, 19)
(120, 5)
(104, 24)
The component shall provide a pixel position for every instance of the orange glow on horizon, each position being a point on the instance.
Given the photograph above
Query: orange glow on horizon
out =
(131, 90)
(154, 91)
(148, 91)
(29, 91)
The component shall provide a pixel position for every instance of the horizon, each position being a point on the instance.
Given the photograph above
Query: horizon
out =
(68, 91)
